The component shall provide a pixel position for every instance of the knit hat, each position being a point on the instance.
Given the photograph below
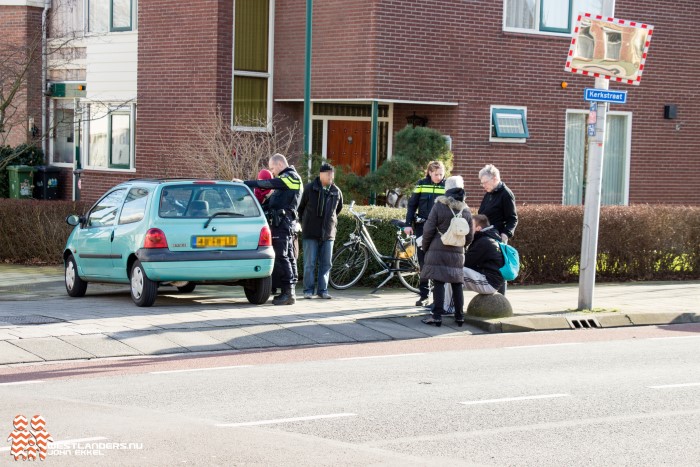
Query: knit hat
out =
(455, 181)
(325, 167)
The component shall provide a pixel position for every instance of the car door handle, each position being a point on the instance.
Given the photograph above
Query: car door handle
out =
(111, 238)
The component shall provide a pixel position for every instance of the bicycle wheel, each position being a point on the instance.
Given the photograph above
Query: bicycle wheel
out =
(409, 273)
(349, 263)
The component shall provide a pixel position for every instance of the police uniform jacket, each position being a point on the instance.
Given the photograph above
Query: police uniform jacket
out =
(422, 199)
(287, 192)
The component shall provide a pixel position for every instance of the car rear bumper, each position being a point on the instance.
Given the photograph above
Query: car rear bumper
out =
(166, 265)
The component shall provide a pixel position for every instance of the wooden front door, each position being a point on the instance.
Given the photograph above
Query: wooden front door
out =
(348, 144)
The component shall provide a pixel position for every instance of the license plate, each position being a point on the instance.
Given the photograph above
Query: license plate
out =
(220, 241)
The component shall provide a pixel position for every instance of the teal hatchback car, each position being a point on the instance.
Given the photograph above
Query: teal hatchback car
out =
(174, 232)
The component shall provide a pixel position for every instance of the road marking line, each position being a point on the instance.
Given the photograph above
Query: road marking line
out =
(53, 444)
(511, 399)
(669, 386)
(286, 420)
(541, 345)
(165, 372)
(17, 383)
(383, 356)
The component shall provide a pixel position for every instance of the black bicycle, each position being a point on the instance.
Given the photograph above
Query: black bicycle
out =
(351, 260)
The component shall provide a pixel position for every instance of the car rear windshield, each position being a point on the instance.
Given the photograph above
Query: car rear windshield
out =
(201, 201)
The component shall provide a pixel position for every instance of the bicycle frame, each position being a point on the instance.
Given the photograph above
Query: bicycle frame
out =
(386, 262)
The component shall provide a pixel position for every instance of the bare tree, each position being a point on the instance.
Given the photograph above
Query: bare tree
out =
(223, 153)
(22, 62)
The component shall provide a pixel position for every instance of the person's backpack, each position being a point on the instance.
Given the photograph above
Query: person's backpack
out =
(456, 234)
(511, 265)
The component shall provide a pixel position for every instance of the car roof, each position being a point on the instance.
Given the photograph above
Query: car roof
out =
(159, 181)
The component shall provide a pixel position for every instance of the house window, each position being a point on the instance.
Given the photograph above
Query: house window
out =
(62, 131)
(549, 16)
(509, 124)
(252, 78)
(110, 140)
(616, 158)
(110, 15)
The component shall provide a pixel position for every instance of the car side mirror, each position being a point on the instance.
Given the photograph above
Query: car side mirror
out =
(74, 220)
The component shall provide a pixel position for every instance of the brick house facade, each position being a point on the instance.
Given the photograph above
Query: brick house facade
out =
(452, 62)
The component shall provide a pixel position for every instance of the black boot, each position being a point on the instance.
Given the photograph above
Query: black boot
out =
(459, 318)
(287, 297)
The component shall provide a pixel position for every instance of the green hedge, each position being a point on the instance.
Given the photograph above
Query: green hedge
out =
(635, 243)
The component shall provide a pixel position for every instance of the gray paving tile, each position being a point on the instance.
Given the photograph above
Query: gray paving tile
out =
(393, 329)
(10, 353)
(318, 333)
(358, 332)
(52, 348)
(238, 338)
(101, 346)
(196, 341)
(148, 342)
(278, 335)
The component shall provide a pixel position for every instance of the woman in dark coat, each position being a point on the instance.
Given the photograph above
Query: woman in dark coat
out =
(444, 263)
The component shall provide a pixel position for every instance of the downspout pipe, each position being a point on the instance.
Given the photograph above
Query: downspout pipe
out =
(44, 74)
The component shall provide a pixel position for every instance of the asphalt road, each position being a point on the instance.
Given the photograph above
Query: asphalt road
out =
(565, 398)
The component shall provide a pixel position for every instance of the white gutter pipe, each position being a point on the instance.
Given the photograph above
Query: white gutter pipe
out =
(44, 74)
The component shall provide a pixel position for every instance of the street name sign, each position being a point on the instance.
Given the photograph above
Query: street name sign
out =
(604, 95)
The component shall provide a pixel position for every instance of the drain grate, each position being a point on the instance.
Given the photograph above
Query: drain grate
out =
(29, 319)
(583, 323)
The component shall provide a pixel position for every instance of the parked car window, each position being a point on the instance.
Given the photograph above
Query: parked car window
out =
(134, 206)
(104, 212)
(199, 201)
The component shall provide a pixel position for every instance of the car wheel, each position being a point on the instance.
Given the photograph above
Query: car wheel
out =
(187, 288)
(257, 291)
(143, 289)
(75, 286)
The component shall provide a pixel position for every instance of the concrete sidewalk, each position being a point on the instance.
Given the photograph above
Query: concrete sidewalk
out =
(39, 322)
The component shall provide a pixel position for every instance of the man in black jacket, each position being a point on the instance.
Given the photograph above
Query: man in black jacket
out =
(282, 210)
(320, 205)
(483, 259)
(498, 205)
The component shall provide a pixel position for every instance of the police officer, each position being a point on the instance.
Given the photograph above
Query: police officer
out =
(419, 206)
(282, 215)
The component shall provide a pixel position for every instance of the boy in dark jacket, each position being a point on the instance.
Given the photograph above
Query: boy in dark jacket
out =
(483, 259)
(320, 205)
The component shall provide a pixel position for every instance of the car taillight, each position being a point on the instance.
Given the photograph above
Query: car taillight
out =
(155, 238)
(265, 237)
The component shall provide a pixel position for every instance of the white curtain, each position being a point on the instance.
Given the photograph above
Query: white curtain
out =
(520, 14)
(614, 161)
(575, 150)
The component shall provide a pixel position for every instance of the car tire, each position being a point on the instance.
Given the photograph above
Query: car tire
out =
(257, 291)
(143, 290)
(187, 288)
(75, 286)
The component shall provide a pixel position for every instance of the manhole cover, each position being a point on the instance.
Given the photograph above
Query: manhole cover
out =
(29, 319)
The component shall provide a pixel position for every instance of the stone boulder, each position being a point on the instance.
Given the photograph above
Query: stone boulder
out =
(489, 306)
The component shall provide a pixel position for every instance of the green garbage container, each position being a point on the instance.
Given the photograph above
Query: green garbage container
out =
(21, 181)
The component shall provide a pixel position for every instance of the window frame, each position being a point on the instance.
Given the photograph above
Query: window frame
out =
(628, 154)
(110, 20)
(608, 10)
(131, 18)
(255, 74)
(107, 114)
(503, 137)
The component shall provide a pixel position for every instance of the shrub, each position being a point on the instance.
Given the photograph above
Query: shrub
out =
(635, 243)
(33, 231)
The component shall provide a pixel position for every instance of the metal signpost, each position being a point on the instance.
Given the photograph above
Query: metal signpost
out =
(606, 49)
